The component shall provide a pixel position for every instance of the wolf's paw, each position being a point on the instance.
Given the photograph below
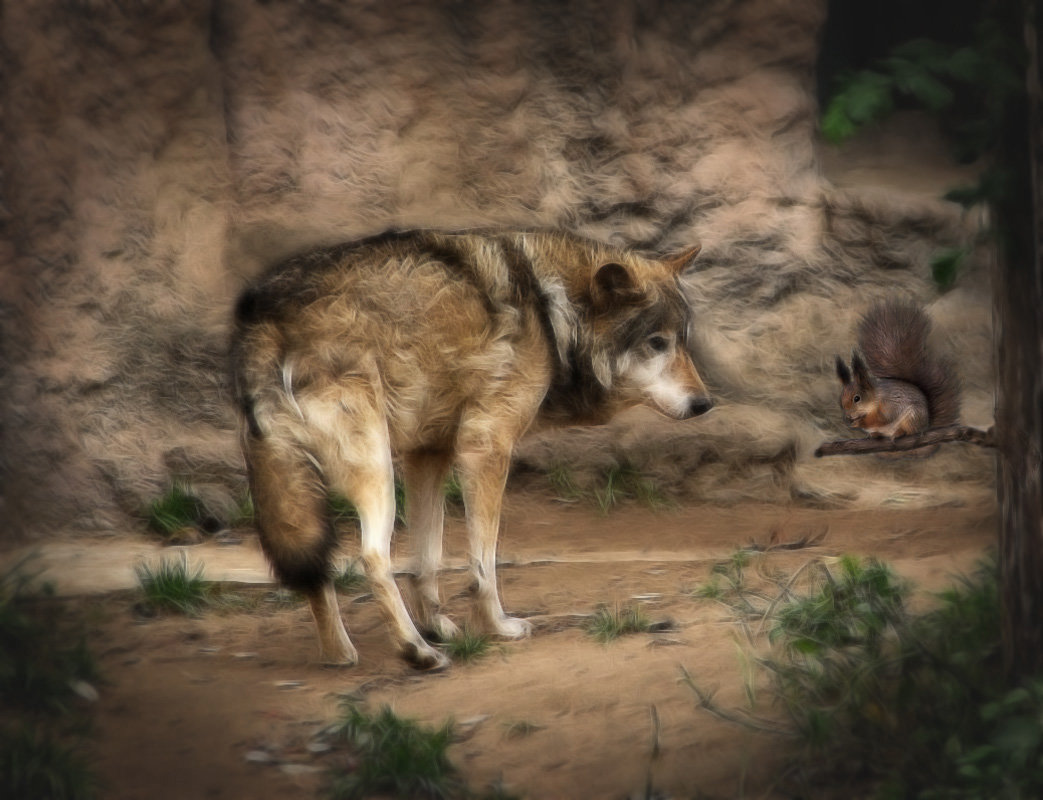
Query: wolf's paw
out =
(424, 657)
(512, 628)
(441, 629)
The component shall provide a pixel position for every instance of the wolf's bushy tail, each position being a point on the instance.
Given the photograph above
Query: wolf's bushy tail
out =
(892, 336)
(291, 513)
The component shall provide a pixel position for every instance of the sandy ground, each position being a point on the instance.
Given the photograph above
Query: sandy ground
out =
(233, 704)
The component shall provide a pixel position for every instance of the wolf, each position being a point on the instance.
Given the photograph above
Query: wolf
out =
(436, 351)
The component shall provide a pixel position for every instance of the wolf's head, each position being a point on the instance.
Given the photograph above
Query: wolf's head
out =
(640, 323)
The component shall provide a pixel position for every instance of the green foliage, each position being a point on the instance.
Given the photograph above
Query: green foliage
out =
(244, 512)
(173, 587)
(468, 646)
(619, 484)
(41, 657)
(454, 492)
(398, 757)
(342, 511)
(560, 477)
(965, 87)
(946, 265)
(177, 509)
(350, 579)
(915, 704)
(34, 764)
(611, 623)
(44, 669)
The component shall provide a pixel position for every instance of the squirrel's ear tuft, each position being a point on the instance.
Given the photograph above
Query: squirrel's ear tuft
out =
(861, 372)
(843, 372)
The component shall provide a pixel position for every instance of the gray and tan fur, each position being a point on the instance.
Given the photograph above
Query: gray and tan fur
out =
(438, 351)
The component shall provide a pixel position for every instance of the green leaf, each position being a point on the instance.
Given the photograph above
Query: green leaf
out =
(945, 266)
(930, 91)
(868, 97)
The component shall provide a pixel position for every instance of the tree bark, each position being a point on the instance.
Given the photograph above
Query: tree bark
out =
(1018, 289)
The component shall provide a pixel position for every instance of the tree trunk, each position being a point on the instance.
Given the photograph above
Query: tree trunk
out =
(1019, 404)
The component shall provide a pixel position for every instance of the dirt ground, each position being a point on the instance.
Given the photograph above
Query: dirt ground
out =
(233, 704)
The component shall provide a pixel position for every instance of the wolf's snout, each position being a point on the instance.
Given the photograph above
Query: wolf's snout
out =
(699, 406)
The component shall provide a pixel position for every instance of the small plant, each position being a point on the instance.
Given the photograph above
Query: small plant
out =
(560, 477)
(340, 509)
(39, 659)
(244, 512)
(173, 587)
(454, 492)
(44, 667)
(34, 764)
(611, 623)
(349, 579)
(397, 756)
(177, 510)
(916, 705)
(468, 646)
(620, 483)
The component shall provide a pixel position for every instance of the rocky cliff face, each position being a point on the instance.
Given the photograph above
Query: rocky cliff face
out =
(156, 155)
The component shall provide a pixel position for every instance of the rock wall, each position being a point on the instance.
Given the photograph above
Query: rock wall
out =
(158, 154)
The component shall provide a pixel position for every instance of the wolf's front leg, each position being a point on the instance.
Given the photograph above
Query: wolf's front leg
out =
(483, 478)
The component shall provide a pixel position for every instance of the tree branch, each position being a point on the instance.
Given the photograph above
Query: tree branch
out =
(950, 433)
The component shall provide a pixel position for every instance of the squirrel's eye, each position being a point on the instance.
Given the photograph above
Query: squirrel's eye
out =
(857, 398)
(657, 343)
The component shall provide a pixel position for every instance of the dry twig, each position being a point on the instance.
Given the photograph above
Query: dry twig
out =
(933, 436)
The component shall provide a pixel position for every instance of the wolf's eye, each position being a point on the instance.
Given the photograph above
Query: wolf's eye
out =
(658, 343)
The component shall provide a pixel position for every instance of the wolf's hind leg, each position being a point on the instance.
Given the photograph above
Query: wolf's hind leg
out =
(296, 534)
(335, 648)
(483, 478)
(375, 501)
(424, 478)
(357, 462)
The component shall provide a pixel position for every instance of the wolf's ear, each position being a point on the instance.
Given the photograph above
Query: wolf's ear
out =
(612, 283)
(680, 262)
(861, 372)
(843, 372)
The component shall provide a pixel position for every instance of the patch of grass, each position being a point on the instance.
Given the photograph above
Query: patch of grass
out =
(41, 655)
(624, 483)
(350, 579)
(44, 669)
(176, 510)
(468, 646)
(454, 493)
(172, 586)
(916, 706)
(341, 510)
(620, 483)
(244, 513)
(561, 480)
(34, 764)
(611, 623)
(397, 756)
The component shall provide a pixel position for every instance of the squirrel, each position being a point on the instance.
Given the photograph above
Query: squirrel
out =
(896, 385)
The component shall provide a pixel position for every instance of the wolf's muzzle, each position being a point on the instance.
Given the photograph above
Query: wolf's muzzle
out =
(699, 406)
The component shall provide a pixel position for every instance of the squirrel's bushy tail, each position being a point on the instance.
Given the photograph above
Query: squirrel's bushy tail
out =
(893, 339)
